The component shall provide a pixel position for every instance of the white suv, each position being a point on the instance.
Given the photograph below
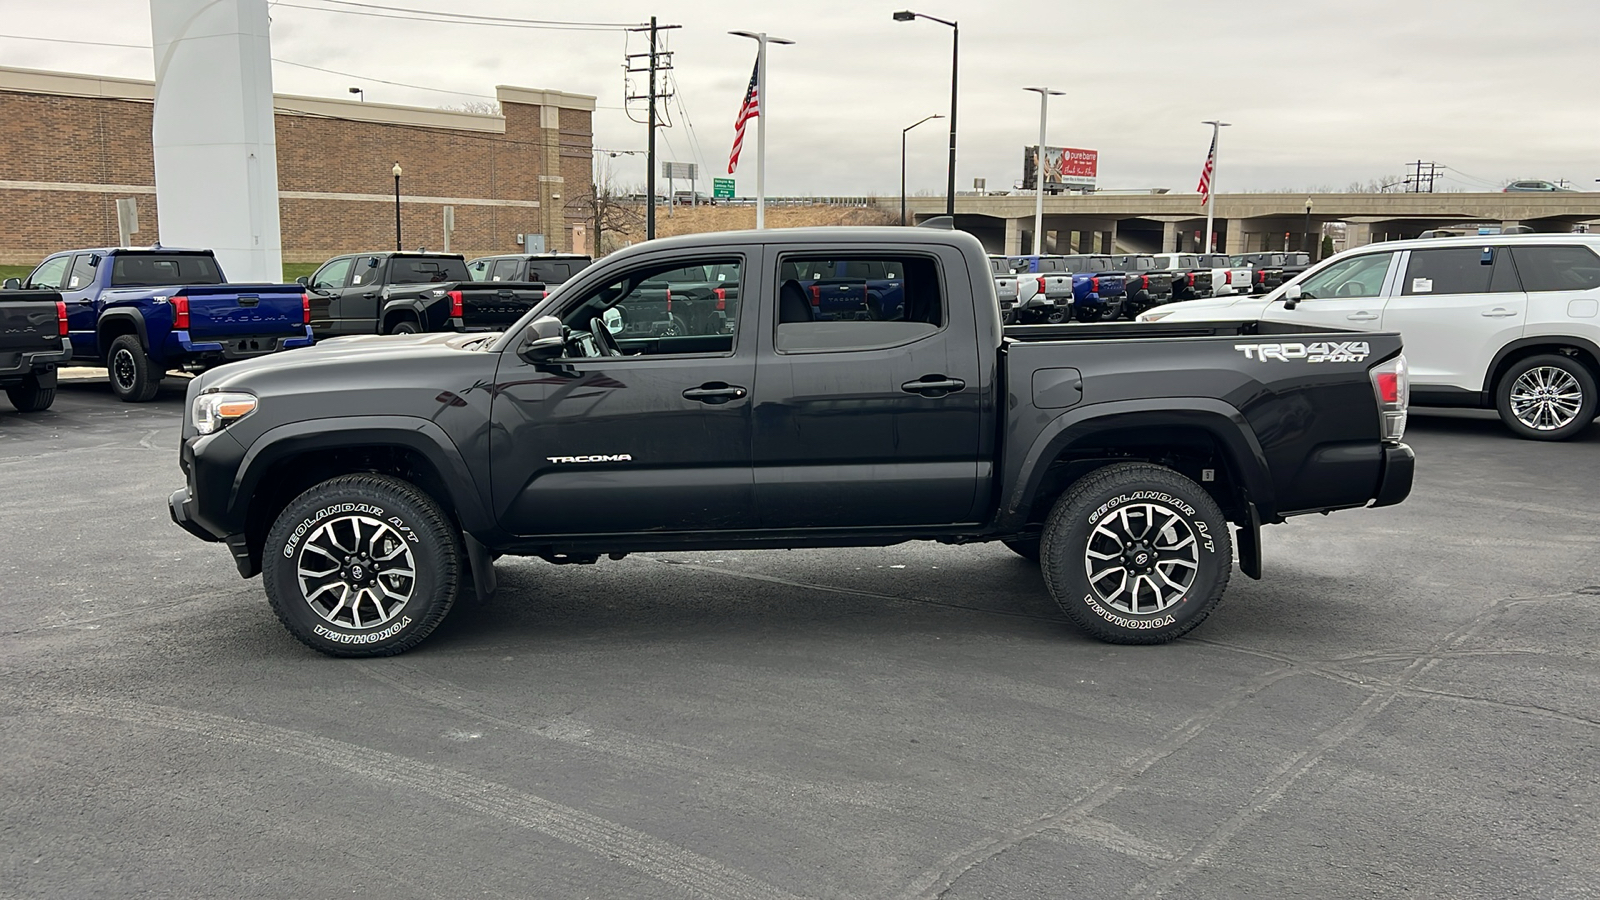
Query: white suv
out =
(1504, 322)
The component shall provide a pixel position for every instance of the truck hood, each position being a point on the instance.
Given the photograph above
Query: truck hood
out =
(360, 351)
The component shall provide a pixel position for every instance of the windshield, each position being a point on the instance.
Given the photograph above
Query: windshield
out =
(154, 270)
(426, 270)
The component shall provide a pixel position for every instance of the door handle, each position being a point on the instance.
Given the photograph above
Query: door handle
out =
(368, 296)
(933, 385)
(715, 392)
(1362, 316)
(1499, 312)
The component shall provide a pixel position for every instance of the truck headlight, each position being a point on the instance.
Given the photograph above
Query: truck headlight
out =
(216, 411)
(1155, 315)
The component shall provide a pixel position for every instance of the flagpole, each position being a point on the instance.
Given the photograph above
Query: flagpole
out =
(761, 40)
(1211, 196)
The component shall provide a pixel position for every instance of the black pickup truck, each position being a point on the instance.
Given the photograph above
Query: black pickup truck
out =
(371, 480)
(404, 293)
(33, 342)
(1148, 284)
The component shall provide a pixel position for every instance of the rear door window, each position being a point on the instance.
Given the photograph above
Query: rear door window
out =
(425, 270)
(82, 274)
(478, 269)
(504, 270)
(1570, 268)
(857, 304)
(1453, 270)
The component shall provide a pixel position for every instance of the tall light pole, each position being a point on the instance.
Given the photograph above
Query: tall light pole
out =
(1038, 169)
(396, 171)
(762, 39)
(906, 15)
(1211, 202)
(903, 133)
(356, 90)
(1307, 238)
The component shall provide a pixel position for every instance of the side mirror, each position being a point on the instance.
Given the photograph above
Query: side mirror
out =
(303, 281)
(372, 262)
(613, 320)
(12, 284)
(1487, 259)
(1291, 296)
(543, 340)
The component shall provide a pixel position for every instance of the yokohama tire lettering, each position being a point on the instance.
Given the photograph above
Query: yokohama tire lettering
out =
(1124, 621)
(340, 637)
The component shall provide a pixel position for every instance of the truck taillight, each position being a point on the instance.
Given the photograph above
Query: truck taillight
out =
(1261, 276)
(305, 309)
(1392, 385)
(1041, 284)
(61, 317)
(722, 299)
(1144, 281)
(816, 295)
(180, 313)
(456, 305)
(1094, 284)
(1230, 277)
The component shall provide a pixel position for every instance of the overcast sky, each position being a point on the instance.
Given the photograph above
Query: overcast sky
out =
(1320, 93)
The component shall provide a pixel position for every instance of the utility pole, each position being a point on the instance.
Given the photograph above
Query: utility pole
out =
(658, 61)
(1419, 177)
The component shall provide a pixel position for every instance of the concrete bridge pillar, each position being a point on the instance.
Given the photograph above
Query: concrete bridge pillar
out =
(1357, 234)
(1108, 239)
(1234, 241)
(1013, 245)
(1169, 237)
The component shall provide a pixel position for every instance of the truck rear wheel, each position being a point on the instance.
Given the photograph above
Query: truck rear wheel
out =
(362, 565)
(1136, 553)
(1087, 313)
(30, 396)
(134, 376)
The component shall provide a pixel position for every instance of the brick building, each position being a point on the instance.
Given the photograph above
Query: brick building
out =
(72, 145)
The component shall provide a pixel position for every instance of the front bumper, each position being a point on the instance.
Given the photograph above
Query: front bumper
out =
(181, 506)
(1399, 468)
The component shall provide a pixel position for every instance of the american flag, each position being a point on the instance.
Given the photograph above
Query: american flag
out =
(747, 111)
(1205, 173)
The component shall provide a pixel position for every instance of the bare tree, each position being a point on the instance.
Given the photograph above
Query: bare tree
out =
(481, 107)
(608, 211)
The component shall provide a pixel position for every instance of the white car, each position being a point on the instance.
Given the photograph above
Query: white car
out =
(1503, 322)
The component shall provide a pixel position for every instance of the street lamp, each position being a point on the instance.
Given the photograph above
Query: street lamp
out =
(1307, 238)
(396, 171)
(762, 39)
(906, 15)
(1038, 169)
(903, 132)
(356, 90)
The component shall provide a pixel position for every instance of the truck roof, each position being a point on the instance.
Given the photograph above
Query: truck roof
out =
(854, 234)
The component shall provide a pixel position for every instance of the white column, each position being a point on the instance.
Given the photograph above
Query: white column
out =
(216, 155)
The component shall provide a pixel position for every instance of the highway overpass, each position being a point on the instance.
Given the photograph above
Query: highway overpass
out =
(1100, 222)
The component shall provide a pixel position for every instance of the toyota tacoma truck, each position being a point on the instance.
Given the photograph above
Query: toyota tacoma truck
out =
(371, 481)
(33, 342)
(405, 293)
(144, 312)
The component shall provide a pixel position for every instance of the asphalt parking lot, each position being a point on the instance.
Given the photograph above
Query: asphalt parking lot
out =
(1405, 707)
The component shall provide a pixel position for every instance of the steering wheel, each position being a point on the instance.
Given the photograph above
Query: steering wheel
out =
(603, 341)
(1351, 289)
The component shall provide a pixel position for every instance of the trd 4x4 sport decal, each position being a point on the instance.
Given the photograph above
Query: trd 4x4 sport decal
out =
(1318, 352)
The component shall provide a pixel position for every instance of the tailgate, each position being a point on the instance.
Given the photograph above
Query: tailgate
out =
(28, 323)
(1111, 285)
(224, 311)
(496, 306)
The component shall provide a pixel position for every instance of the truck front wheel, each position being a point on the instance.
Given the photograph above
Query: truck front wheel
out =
(134, 377)
(1136, 554)
(362, 565)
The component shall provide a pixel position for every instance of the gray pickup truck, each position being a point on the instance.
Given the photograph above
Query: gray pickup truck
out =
(33, 342)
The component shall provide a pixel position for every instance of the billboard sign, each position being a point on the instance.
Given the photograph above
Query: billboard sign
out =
(1064, 167)
(676, 170)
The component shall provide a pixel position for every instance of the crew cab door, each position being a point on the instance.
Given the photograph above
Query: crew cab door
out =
(869, 422)
(323, 289)
(1349, 294)
(655, 440)
(1455, 308)
(79, 291)
(357, 305)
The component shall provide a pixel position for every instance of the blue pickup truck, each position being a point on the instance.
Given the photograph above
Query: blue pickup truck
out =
(850, 289)
(144, 312)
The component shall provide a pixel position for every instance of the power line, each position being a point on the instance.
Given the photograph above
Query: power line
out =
(381, 81)
(442, 18)
(433, 12)
(26, 37)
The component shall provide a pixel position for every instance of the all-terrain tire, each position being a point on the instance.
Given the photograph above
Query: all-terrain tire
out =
(29, 396)
(134, 376)
(1136, 553)
(1087, 314)
(362, 565)
(1548, 397)
(405, 326)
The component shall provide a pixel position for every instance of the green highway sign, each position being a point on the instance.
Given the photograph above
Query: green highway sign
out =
(722, 188)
